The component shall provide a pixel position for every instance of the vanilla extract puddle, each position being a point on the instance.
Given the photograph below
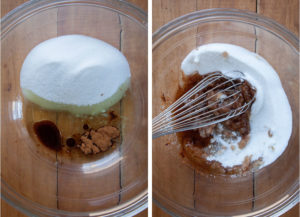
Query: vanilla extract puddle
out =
(48, 134)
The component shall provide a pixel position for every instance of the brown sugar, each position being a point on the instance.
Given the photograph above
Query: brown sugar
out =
(225, 54)
(243, 142)
(163, 98)
(246, 162)
(100, 140)
(270, 134)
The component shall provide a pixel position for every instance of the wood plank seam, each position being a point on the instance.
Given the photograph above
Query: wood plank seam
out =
(253, 173)
(121, 115)
(57, 200)
(194, 191)
(255, 43)
(56, 122)
(253, 191)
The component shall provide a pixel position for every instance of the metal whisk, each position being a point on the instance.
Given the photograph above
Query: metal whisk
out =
(203, 105)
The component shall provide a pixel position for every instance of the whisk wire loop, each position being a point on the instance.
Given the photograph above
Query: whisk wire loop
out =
(203, 105)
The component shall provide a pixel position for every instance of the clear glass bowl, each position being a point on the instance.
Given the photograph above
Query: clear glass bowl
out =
(41, 182)
(177, 187)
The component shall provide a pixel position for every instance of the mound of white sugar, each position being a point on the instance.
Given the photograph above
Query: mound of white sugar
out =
(75, 73)
(271, 115)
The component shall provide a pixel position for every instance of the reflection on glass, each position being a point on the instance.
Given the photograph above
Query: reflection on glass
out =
(17, 109)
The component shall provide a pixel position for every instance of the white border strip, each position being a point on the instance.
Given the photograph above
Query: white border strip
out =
(149, 108)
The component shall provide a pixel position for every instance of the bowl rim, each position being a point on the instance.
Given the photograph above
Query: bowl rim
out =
(16, 17)
(228, 14)
(30, 8)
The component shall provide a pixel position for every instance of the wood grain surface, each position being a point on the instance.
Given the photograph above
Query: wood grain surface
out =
(284, 12)
(128, 36)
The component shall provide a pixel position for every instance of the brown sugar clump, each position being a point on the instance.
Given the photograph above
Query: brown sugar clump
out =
(270, 134)
(246, 162)
(225, 54)
(244, 141)
(95, 141)
(206, 131)
(163, 98)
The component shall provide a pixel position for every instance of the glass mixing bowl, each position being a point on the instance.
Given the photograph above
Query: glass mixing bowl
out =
(42, 182)
(177, 187)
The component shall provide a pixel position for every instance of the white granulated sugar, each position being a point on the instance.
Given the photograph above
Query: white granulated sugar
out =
(271, 111)
(74, 70)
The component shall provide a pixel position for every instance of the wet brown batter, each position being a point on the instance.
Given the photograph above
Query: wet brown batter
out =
(196, 144)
